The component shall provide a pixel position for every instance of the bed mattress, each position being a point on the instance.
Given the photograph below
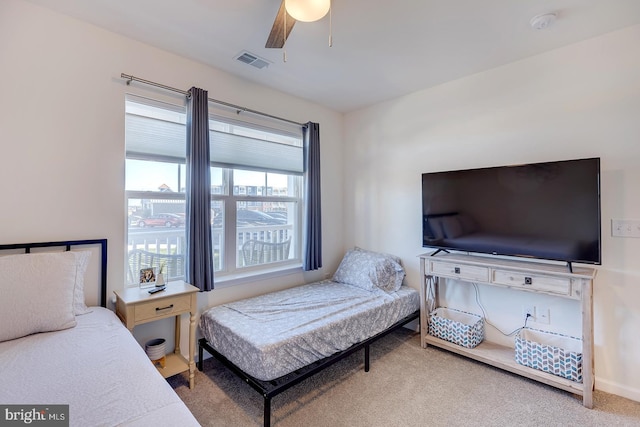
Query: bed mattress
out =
(96, 368)
(274, 334)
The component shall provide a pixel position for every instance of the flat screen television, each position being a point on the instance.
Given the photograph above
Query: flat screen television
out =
(548, 211)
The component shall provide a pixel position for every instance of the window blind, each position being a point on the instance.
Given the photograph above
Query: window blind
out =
(152, 134)
(235, 151)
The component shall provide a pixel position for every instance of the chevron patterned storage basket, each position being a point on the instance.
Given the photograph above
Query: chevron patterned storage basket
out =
(550, 352)
(458, 327)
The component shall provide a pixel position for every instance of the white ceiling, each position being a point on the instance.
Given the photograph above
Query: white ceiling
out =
(381, 49)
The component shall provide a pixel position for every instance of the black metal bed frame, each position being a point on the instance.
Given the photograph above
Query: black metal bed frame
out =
(269, 389)
(67, 244)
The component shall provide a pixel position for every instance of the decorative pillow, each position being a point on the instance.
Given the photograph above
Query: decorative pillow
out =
(82, 262)
(370, 270)
(381, 254)
(37, 293)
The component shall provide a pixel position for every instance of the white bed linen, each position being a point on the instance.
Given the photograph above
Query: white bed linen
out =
(97, 368)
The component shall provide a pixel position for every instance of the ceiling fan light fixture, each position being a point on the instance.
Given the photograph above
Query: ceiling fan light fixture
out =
(307, 10)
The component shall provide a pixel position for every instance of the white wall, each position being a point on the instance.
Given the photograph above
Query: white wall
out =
(62, 136)
(575, 102)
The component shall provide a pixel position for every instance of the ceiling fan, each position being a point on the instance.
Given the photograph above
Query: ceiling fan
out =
(291, 11)
(277, 35)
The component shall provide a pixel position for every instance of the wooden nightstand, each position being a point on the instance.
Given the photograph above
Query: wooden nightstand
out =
(135, 306)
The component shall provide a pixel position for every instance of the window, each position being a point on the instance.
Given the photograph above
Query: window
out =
(256, 191)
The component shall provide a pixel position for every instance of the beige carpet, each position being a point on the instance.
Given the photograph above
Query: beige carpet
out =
(406, 386)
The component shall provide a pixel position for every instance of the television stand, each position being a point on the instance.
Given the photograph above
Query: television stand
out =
(547, 279)
(438, 251)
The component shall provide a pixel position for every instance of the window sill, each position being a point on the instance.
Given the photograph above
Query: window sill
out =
(230, 280)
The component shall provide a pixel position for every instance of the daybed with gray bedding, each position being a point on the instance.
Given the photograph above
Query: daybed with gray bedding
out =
(276, 340)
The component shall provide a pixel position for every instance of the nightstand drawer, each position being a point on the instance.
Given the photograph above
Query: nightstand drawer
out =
(556, 285)
(159, 308)
(470, 273)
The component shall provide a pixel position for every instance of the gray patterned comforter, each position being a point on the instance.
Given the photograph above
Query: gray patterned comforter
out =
(271, 335)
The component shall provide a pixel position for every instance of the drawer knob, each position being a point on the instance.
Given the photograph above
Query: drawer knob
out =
(169, 307)
(528, 281)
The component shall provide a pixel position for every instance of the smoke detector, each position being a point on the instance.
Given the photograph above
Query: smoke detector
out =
(540, 22)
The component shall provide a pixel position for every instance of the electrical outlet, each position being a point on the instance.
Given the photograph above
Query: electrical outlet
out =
(544, 315)
(529, 310)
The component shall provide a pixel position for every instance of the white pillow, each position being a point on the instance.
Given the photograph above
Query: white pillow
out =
(37, 293)
(82, 262)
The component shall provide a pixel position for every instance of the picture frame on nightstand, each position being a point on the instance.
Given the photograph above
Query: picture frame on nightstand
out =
(147, 277)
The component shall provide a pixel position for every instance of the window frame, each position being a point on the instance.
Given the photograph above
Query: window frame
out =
(230, 200)
(230, 272)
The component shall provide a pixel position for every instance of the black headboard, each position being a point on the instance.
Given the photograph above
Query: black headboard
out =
(67, 245)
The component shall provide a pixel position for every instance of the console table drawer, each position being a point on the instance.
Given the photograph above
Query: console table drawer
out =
(556, 285)
(470, 273)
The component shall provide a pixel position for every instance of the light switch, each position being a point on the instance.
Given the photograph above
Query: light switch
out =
(625, 228)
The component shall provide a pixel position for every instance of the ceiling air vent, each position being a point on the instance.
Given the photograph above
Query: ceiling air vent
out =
(253, 60)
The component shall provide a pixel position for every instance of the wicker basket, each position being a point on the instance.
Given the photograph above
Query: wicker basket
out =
(550, 352)
(459, 327)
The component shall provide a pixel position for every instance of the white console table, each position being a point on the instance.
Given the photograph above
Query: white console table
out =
(554, 280)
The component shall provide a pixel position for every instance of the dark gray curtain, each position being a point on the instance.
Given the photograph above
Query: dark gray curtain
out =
(199, 252)
(312, 255)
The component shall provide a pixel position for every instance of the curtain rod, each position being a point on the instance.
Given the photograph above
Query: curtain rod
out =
(238, 108)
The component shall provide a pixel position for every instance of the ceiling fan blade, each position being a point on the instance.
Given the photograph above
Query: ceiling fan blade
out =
(276, 37)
